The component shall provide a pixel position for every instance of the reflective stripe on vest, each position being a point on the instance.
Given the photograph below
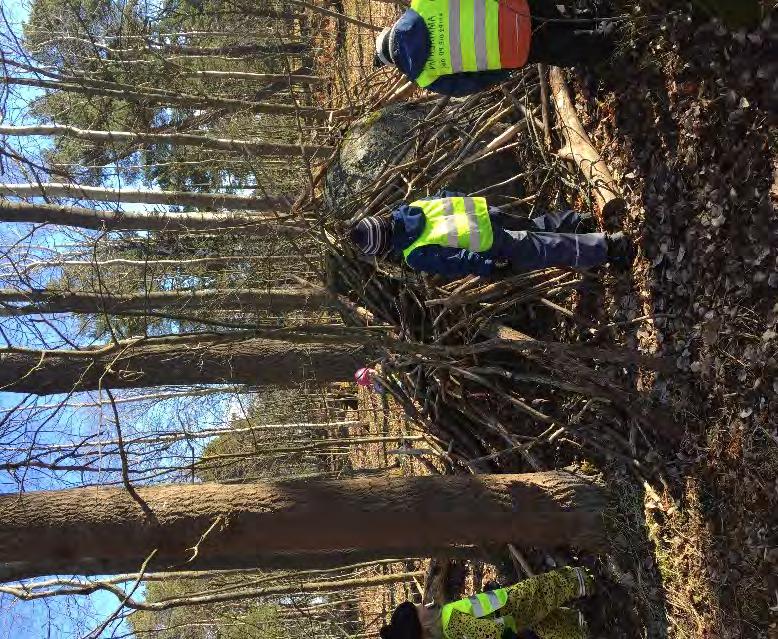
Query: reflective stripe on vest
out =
(474, 35)
(481, 605)
(456, 222)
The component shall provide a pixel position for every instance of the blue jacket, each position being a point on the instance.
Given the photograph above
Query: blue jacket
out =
(411, 48)
(408, 223)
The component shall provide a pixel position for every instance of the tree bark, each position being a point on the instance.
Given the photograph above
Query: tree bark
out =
(31, 302)
(579, 148)
(99, 220)
(231, 524)
(252, 147)
(178, 361)
(228, 201)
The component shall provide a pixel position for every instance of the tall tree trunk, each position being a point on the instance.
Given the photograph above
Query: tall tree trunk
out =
(255, 9)
(234, 592)
(334, 14)
(166, 49)
(32, 302)
(216, 262)
(14, 571)
(292, 79)
(237, 593)
(148, 97)
(121, 196)
(231, 524)
(253, 147)
(78, 217)
(178, 361)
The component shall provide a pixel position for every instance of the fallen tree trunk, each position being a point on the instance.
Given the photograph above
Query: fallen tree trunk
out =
(579, 148)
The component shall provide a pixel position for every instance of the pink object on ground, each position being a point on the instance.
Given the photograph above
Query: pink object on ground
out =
(362, 377)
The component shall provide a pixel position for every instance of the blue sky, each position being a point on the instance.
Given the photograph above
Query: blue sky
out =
(33, 620)
(69, 617)
(57, 619)
(63, 617)
(60, 617)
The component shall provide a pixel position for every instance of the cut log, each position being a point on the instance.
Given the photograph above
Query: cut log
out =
(579, 148)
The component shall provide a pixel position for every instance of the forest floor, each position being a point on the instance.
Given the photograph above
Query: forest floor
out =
(685, 117)
(355, 60)
(687, 124)
(380, 417)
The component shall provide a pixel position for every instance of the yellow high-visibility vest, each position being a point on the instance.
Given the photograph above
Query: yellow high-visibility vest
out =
(474, 35)
(484, 604)
(457, 222)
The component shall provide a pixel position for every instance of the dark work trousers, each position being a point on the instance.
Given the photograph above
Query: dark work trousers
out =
(549, 240)
(563, 41)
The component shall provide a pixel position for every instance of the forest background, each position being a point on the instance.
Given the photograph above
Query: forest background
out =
(156, 160)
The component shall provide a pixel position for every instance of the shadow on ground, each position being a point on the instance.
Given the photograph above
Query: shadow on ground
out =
(684, 122)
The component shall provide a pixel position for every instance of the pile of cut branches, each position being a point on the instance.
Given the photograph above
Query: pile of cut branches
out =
(498, 375)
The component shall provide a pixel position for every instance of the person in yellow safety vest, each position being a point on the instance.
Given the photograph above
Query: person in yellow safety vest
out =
(454, 236)
(459, 47)
(530, 609)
